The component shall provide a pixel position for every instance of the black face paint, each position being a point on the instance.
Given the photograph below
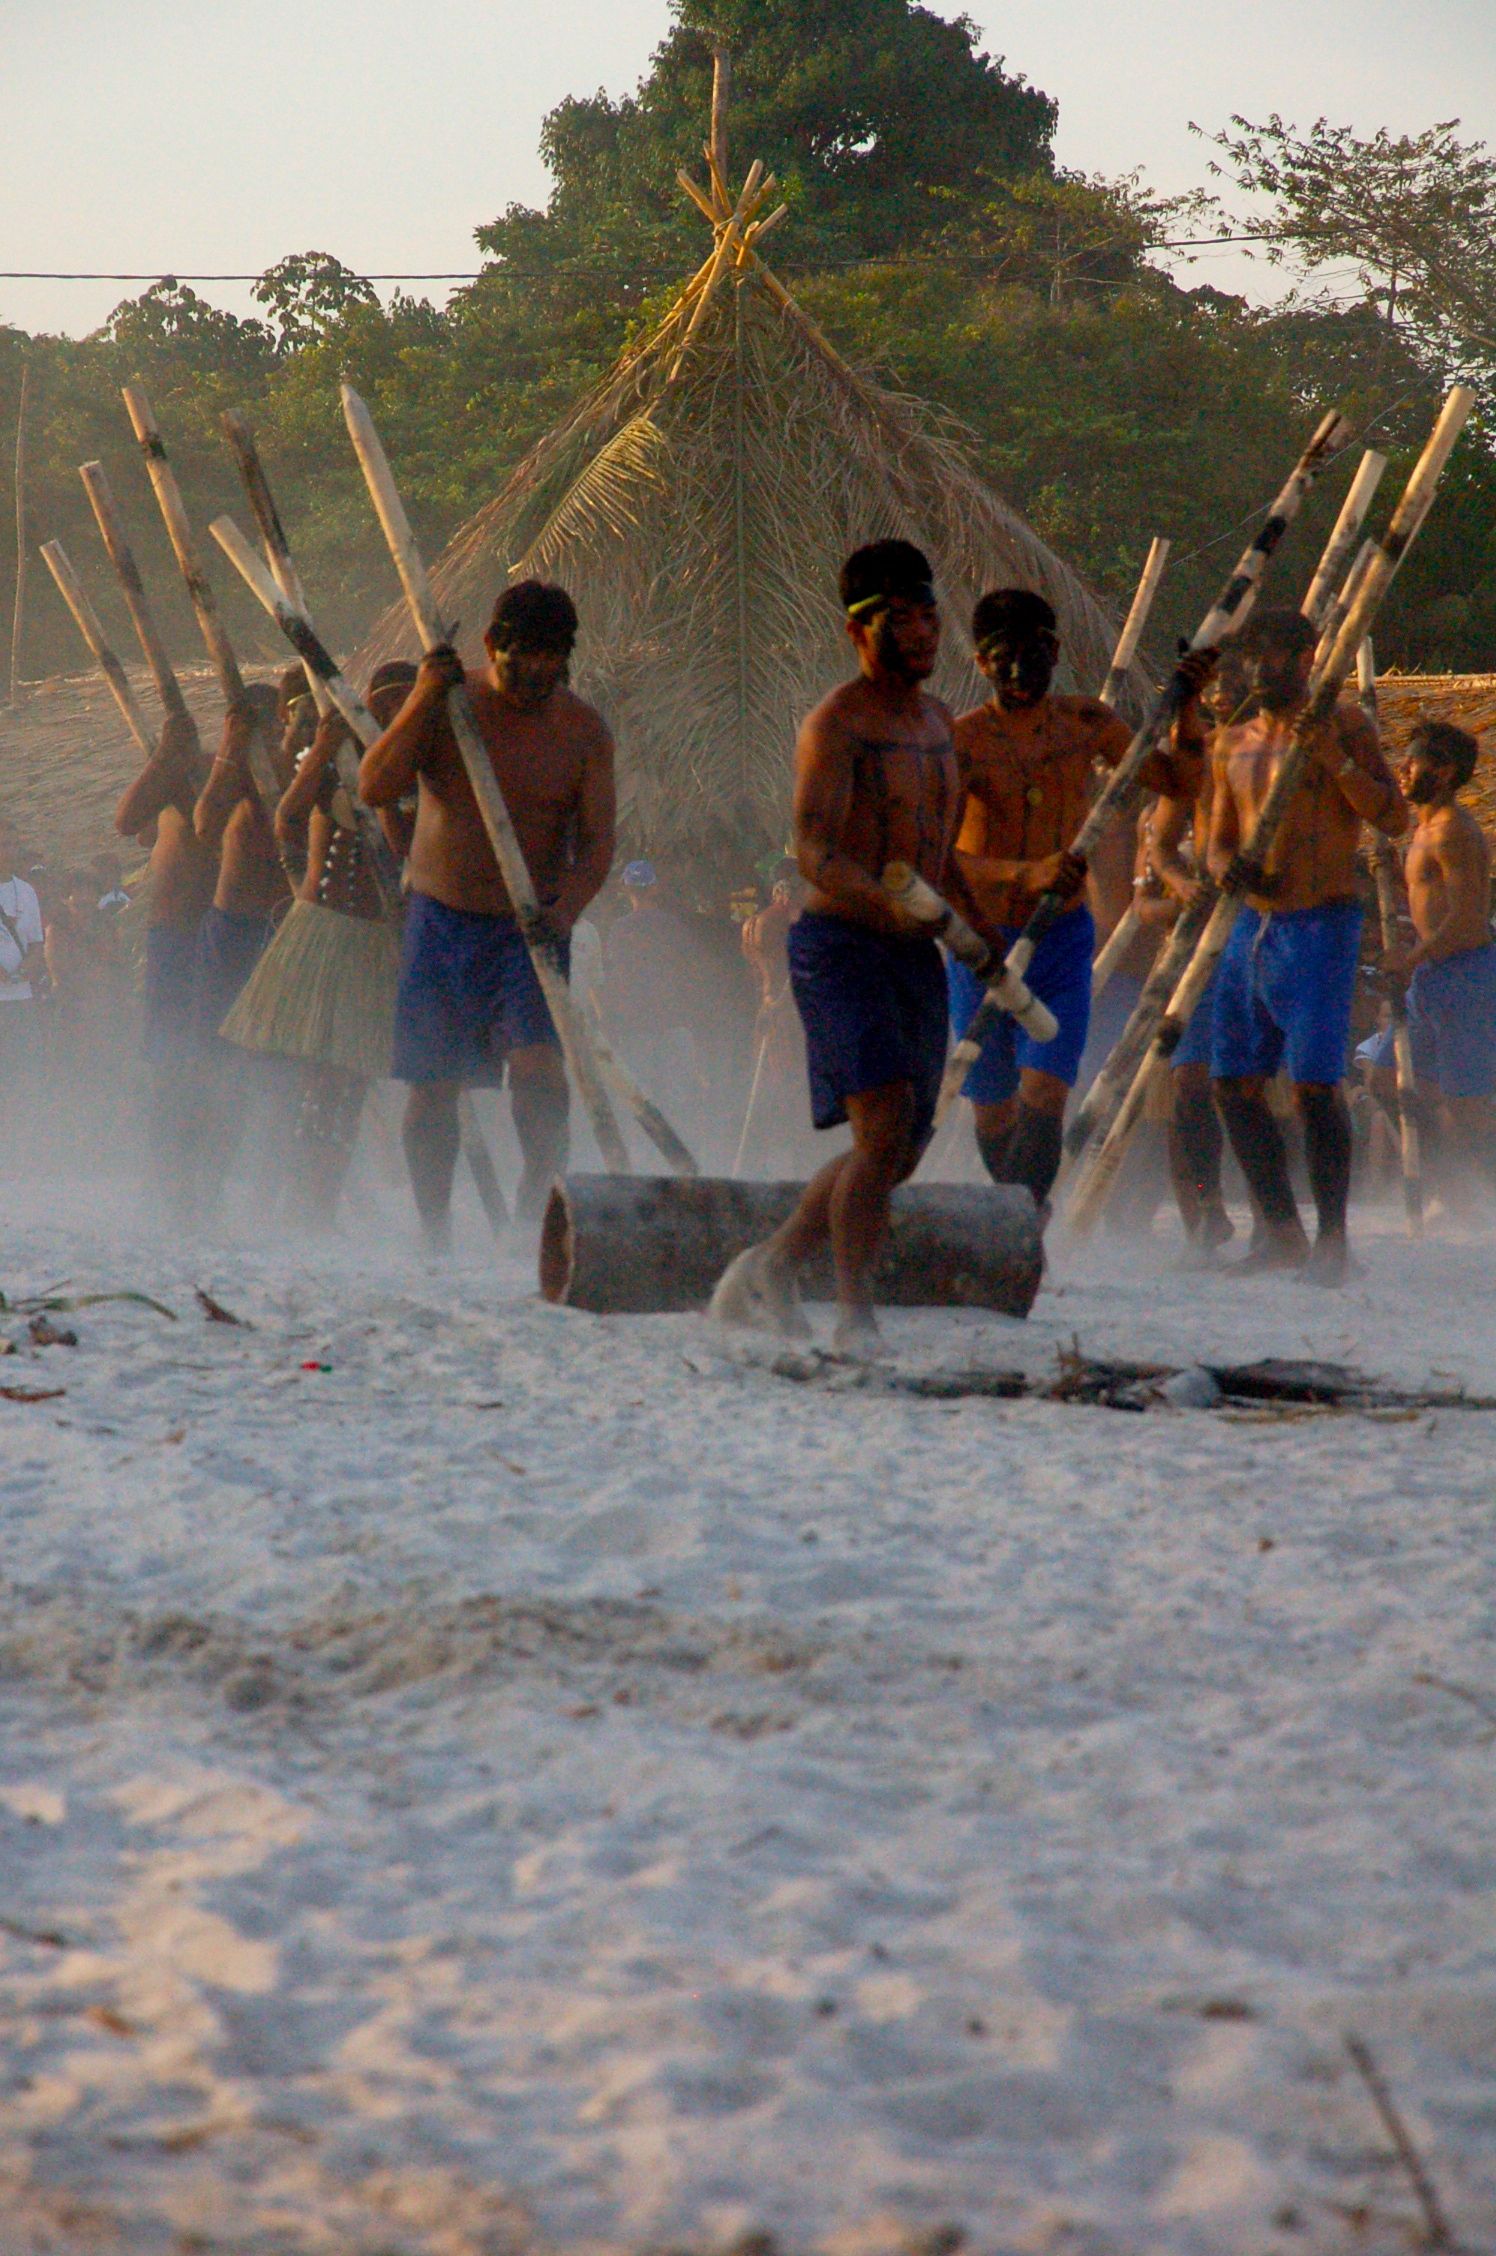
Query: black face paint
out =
(1022, 671)
(1423, 785)
(1274, 680)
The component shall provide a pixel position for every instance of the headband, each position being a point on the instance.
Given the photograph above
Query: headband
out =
(869, 605)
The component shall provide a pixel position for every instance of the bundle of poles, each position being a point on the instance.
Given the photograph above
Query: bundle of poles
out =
(277, 585)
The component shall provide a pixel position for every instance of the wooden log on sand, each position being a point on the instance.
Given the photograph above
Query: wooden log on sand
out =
(636, 1245)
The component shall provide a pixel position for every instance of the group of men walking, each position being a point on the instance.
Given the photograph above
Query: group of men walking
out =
(983, 807)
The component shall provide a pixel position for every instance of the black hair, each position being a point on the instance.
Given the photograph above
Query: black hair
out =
(1285, 632)
(1452, 747)
(394, 671)
(885, 571)
(533, 616)
(1013, 614)
(261, 703)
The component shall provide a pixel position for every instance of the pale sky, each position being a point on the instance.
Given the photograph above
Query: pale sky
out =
(216, 136)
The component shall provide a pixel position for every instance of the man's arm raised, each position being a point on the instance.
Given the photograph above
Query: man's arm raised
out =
(596, 828)
(1351, 755)
(388, 770)
(1225, 820)
(165, 781)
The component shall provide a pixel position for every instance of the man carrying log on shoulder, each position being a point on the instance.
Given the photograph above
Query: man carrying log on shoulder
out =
(469, 999)
(1451, 966)
(157, 808)
(1288, 973)
(876, 780)
(1027, 759)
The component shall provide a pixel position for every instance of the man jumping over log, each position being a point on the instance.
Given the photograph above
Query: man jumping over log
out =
(469, 1000)
(1451, 966)
(1287, 975)
(1027, 759)
(157, 807)
(876, 780)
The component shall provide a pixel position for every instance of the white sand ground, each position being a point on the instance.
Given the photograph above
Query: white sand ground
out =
(535, 1783)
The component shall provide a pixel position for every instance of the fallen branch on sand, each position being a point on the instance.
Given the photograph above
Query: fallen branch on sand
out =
(1436, 2224)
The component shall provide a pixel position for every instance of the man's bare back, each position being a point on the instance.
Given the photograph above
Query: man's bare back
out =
(1313, 858)
(157, 807)
(876, 781)
(232, 819)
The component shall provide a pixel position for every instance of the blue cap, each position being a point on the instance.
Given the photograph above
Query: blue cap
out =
(640, 874)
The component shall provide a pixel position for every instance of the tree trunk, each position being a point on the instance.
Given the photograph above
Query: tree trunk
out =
(645, 1244)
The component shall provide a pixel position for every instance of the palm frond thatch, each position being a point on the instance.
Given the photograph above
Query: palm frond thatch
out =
(699, 519)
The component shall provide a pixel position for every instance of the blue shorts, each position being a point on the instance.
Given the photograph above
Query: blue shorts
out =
(1059, 975)
(1451, 1023)
(1284, 989)
(170, 991)
(1197, 1041)
(228, 948)
(874, 1012)
(467, 996)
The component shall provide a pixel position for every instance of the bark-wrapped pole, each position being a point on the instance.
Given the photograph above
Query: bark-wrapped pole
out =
(1343, 536)
(651, 1243)
(184, 547)
(917, 898)
(272, 532)
(502, 836)
(132, 587)
(1225, 615)
(1384, 873)
(1325, 684)
(70, 588)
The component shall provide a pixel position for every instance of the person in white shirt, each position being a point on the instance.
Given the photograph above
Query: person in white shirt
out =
(21, 932)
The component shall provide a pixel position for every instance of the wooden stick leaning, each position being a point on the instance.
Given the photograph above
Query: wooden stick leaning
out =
(272, 532)
(132, 586)
(199, 589)
(1225, 615)
(502, 836)
(70, 588)
(1383, 870)
(1325, 685)
(1125, 931)
(314, 655)
(1343, 536)
(1099, 1107)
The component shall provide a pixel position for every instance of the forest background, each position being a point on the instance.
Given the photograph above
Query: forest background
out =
(938, 242)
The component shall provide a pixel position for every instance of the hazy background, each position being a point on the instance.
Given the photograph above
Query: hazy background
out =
(215, 136)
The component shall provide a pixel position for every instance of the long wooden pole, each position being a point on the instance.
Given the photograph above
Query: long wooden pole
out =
(200, 591)
(1126, 928)
(184, 547)
(272, 532)
(23, 536)
(1343, 536)
(1225, 615)
(1324, 690)
(502, 836)
(1383, 870)
(70, 588)
(122, 557)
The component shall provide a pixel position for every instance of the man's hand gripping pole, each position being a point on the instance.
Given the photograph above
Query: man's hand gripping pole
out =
(910, 892)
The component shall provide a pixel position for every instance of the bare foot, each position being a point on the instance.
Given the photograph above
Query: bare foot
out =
(1277, 1247)
(757, 1291)
(858, 1338)
(1331, 1264)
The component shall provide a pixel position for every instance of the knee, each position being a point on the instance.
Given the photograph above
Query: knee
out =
(886, 1140)
(539, 1075)
(430, 1107)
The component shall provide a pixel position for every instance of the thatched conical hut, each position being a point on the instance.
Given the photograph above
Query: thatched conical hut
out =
(698, 503)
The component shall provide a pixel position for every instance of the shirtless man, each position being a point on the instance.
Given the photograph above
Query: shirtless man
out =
(1287, 976)
(1027, 760)
(157, 808)
(233, 822)
(1451, 966)
(469, 999)
(876, 781)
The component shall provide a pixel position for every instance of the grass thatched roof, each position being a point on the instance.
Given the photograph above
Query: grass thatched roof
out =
(698, 504)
